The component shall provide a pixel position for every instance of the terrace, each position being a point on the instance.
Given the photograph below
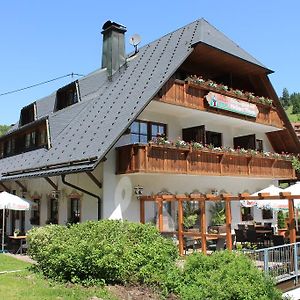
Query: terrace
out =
(153, 158)
(194, 94)
(280, 261)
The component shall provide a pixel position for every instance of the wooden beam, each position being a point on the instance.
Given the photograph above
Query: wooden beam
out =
(51, 183)
(292, 222)
(4, 187)
(180, 227)
(203, 226)
(160, 215)
(228, 224)
(94, 179)
(142, 211)
(23, 187)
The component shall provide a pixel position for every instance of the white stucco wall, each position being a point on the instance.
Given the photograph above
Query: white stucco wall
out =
(120, 201)
(176, 123)
(39, 187)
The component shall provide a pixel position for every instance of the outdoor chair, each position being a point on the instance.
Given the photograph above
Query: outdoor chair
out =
(277, 240)
(268, 225)
(253, 238)
(251, 226)
(241, 226)
(240, 236)
(189, 243)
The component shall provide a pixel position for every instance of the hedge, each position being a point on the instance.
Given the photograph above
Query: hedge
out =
(107, 251)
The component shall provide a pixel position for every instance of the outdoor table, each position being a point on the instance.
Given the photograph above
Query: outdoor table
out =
(20, 238)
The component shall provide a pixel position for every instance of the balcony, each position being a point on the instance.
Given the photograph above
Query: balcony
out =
(191, 95)
(161, 159)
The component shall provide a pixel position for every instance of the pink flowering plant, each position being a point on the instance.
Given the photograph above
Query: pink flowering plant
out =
(224, 88)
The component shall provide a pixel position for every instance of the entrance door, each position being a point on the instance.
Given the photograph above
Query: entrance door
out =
(246, 142)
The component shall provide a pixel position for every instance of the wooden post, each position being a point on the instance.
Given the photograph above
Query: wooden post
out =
(160, 215)
(142, 211)
(292, 221)
(180, 227)
(203, 226)
(228, 224)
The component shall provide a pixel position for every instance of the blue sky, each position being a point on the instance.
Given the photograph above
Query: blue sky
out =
(41, 40)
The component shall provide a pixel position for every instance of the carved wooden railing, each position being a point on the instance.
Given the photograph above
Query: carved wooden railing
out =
(161, 159)
(192, 95)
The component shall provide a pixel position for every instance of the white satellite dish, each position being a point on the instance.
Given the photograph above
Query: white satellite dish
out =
(134, 41)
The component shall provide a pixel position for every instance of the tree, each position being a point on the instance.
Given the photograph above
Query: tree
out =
(3, 129)
(285, 99)
(295, 101)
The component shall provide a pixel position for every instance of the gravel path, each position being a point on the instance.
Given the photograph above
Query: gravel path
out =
(25, 258)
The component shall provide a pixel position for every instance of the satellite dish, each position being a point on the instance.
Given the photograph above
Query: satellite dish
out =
(134, 41)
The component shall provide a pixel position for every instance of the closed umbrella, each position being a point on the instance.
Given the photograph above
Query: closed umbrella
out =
(12, 202)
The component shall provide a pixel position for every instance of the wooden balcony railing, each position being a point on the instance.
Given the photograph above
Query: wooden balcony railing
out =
(192, 95)
(160, 159)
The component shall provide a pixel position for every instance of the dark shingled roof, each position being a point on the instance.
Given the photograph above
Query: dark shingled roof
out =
(91, 127)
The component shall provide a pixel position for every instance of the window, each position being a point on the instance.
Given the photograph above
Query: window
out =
(139, 132)
(35, 212)
(194, 134)
(214, 138)
(26, 139)
(267, 214)
(75, 210)
(28, 114)
(67, 96)
(143, 132)
(30, 140)
(247, 213)
(259, 145)
(53, 211)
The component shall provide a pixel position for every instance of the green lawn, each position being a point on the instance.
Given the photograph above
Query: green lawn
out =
(28, 285)
(292, 117)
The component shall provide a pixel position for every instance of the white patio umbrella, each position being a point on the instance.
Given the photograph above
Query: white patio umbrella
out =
(267, 203)
(271, 204)
(12, 202)
(294, 190)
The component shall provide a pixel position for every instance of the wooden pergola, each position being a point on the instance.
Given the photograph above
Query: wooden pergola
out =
(159, 199)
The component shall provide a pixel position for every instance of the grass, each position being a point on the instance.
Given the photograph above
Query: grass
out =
(31, 286)
(292, 117)
(9, 264)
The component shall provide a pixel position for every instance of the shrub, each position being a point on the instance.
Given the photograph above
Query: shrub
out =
(106, 251)
(224, 275)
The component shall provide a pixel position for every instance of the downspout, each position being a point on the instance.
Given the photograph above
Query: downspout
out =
(63, 178)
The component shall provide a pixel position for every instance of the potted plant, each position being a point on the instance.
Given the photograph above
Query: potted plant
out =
(190, 216)
(218, 215)
(281, 223)
(16, 232)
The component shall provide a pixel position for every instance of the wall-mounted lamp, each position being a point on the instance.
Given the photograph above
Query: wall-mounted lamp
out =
(138, 190)
(55, 194)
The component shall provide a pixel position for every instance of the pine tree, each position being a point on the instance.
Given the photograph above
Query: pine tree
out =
(3, 129)
(285, 99)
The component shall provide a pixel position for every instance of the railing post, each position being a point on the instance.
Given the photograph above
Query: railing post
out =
(266, 261)
(296, 263)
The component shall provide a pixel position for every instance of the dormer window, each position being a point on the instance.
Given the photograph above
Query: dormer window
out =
(28, 114)
(67, 96)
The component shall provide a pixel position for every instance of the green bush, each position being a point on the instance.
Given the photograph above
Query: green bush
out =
(105, 251)
(224, 275)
